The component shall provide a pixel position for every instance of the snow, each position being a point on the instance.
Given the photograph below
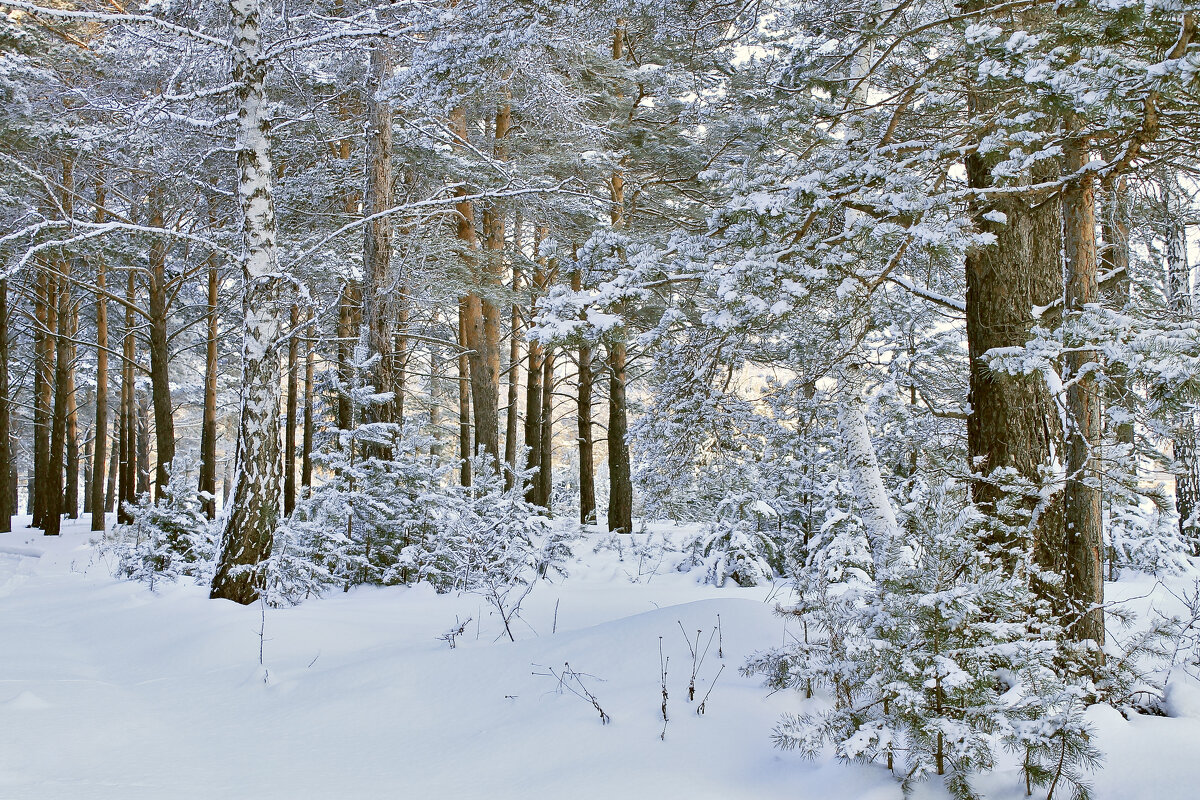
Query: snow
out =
(110, 691)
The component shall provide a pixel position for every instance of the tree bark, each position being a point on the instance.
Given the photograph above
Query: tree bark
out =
(1116, 289)
(43, 392)
(620, 494)
(293, 402)
(1013, 421)
(1081, 508)
(160, 377)
(143, 444)
(377, 235)
(71, 460)
(481, 324)
(127, 485)
(208, 427)
(56, 465)
(310, 361)
(587, 467)
(1187, 462)
(545, 476)
(98, 501)
(7, 506)
(512, 415)
(254, 501)
(533, 389)
(464, 405)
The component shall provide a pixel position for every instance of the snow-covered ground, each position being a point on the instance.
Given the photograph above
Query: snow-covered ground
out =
(110, 691)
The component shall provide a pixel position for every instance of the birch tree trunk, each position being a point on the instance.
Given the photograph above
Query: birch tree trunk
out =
(310, 361)
(127, 484)
(254, 500)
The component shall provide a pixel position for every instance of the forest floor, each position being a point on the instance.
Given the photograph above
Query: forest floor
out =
(109, 690)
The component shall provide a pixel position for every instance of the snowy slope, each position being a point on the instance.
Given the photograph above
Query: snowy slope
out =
(110, 691)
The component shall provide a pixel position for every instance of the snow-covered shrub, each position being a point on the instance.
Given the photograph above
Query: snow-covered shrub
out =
(937, 664)
(1142, 531)
(738, 542)
(165, 539)
(839, 551)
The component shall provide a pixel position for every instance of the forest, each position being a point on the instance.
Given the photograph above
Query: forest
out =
(862, 336)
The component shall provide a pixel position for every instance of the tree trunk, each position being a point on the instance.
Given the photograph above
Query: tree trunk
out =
(620, 493)
(377, 234)
(58, 428)
(1081, 508)
(98, 501)
(481, 325)
(71, 485)
(254, 501)
(545, 476)
(533, 398)
(43, 388)
(1187, 462)
(7, 506)
(114, 469)
(464, 406)
(160, 377)
(345, 335)
(87, 472)
(293, 402)
(208, 428)
(512, 417)
(587, 467)
(1013, 421)
(1116, 288)
(127, 484)
(310, 361)
(143, 444)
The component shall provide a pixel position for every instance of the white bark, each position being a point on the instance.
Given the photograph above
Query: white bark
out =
(874, 506)
(254, 505)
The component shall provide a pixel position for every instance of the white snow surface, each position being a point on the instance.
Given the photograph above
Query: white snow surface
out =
(110, 691)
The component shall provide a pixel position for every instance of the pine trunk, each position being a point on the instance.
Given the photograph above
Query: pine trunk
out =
(98, 501)
(377, 235)
(464, 405)
(1084, 585)
(587, 466)
(208, 427)
(310, 361)
(7, 506)
(43, 392)
(71, 460)
(160, 377)
(1013, 421)
(127, 485)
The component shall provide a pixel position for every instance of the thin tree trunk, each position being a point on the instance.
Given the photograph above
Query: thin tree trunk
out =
(345, 334)
(533, 390)
(127, 483)
(71, 485)
(512, 417)
(1081, 509)
(1187, 462)
(58, 429)
(160, 378)
(587, 466)
(310, 361)
(293, 401)
(87, 472)
(1116, 289)
(114, 469)
(43, 397)
(99, 502)
(254, 502)
(464, 407)
(208, 428)
(7, 506)
(545, 476)
(143, 444)
(620, 494)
